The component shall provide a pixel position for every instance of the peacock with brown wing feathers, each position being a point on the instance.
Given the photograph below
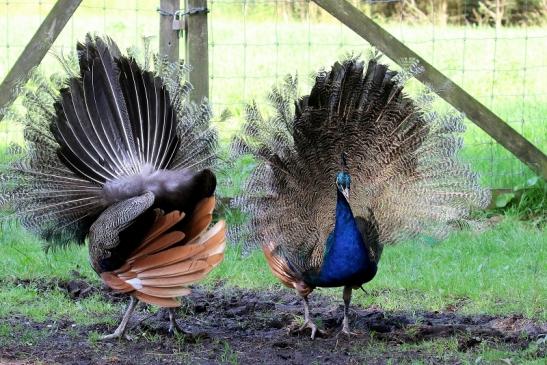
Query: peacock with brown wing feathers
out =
(357, 165)
(119, 156)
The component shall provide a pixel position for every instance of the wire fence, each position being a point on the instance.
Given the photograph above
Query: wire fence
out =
(254, 44)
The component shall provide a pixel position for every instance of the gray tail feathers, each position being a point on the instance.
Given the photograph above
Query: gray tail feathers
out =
(402, 159)
(111, 120)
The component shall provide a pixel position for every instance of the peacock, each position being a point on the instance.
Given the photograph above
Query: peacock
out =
(115, 154)
(355, 165)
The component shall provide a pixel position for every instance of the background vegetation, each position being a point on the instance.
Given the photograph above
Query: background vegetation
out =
(494, 49)
(443, 12)
(255, 43)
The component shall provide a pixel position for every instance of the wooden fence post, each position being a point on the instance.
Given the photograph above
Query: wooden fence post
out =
(169, 39)
(35, 51)
(445, 88)
(197, 48)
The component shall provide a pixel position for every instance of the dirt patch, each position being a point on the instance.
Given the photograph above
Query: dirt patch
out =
(76, 288)
(227, 325)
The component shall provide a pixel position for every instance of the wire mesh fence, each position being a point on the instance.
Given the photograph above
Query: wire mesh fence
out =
(253, 44)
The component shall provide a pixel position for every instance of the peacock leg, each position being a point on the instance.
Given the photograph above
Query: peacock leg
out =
(345, 322)
(173, 325)
(120, 331)
(308, 323)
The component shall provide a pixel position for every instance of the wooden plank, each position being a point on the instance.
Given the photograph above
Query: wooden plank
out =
(354, 19)
(169, 40)
(197, 49)
(35, 51)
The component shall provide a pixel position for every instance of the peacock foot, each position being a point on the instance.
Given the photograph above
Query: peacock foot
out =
(117, 335)
(309, 324)
(347, 332)
(120, 331)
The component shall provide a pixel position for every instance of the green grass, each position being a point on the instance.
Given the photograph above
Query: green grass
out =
(26, 267)
(40, 306)
(500, 271)
(24, 258)
(446, 350)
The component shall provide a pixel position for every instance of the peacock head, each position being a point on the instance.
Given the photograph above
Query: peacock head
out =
(343, 179)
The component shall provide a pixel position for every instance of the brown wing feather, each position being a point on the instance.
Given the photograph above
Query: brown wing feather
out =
(161, 225)
(172, 292)
(175, 281)
(161, 269)
(167, 257)
(210, 243)
(159, 244)
(186, 267)
(160, 302)
(116, 283)
(283, 272)
(198, 226)
(201, 218)
(216, 259)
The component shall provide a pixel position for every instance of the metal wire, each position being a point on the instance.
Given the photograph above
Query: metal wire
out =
(253, 44)
(303, 39)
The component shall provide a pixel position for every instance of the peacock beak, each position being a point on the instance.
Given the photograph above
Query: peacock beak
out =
(345, 192)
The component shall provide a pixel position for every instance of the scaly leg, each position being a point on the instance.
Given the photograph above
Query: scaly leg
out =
(173, 325)
(347, 300)
(345, 321)
(120, 331)
(308, 323)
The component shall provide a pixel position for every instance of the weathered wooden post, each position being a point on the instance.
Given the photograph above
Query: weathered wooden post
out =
(35, 51)
(169, 38)
(487, 120)
(197, 48)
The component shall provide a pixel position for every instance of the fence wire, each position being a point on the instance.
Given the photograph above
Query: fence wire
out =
(253, 44)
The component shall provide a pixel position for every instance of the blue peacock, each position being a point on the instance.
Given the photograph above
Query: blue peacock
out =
(353, 166)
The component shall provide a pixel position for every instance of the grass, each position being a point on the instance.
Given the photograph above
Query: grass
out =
(40, 306)
(495, 272)
(447, 351)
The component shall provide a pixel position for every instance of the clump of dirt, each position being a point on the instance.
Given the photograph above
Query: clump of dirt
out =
(76, 288)
(229, 325)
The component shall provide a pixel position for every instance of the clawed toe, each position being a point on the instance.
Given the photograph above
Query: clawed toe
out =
(116, 336)
(111, 336)
(346, 332)
(312, 326)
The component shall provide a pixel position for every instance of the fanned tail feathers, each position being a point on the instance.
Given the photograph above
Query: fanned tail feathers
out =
(402, 159)
(107, 122)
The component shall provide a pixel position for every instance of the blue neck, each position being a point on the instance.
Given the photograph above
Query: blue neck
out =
(346, 260)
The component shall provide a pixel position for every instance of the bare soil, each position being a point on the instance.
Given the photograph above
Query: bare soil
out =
(229, 325)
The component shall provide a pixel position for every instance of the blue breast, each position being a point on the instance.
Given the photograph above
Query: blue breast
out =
(346, 260)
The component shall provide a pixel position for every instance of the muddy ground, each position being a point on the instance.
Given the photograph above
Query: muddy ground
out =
(227, 325)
